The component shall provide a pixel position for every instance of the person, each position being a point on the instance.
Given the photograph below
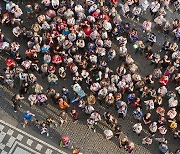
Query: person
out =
(138, 113)
(137, 128)
(27, 118)
(96, 116)
(147, 140)
(65, 94)
(62, 104)
(44, 129)
(67, 40)
(65, 141)
(91, 124)
(123, 142)
(153, 128)
(163, 147)
(130, 147)
(63, 118)
(89, 109)
(74, 114)
(50, 121)
(108, 134)
(16, 101)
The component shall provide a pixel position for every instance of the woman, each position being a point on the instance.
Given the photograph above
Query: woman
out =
(109, 99)
(130, 147)
(63, 104)
(147, 26)
(133, 34)
(123, 142)
(172, 113)
(33, 99)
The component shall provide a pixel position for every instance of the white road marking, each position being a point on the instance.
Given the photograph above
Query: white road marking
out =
(48, 151)
(39, 147)
(3, 152)
(19, 137)
(29, 142)
(2, 135)
(10, 132)
(34, 138)
(2, 146)
(1, 127)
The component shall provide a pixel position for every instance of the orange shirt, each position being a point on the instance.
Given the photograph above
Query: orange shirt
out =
(63, 104)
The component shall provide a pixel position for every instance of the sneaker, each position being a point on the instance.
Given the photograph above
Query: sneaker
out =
(47, 134)
(15, 111)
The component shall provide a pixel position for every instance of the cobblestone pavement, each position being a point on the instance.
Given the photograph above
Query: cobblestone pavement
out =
(80, 135)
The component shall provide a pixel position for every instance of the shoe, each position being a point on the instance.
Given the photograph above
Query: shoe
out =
(15, 111)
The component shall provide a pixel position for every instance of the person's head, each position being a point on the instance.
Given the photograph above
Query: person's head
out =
(43, 124)
(148, 115)
(63, 112)
(138, 109)
(73, 110)
(154, 123)
(28, 112)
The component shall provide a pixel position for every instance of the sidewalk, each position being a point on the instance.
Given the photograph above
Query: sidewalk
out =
(16, 141)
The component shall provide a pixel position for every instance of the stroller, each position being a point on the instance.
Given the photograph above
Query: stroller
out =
(79, 92)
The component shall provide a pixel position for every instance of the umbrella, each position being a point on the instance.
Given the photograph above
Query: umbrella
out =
(56, 59)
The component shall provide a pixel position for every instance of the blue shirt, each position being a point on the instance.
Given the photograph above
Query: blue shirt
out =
(28, 116)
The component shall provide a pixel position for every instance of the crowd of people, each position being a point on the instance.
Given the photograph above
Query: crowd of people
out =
(78, 37)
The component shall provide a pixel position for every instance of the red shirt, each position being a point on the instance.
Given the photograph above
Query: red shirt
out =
(87, 31)
(163, 81)
(10, 63)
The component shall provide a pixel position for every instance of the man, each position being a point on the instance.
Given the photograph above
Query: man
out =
(15, 99)
(27, 117)
(44, 129)
(65, 94)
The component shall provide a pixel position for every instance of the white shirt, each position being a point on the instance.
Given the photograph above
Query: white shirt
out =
(9, 7)
(154, 6)
(89, 109)
(137, 128)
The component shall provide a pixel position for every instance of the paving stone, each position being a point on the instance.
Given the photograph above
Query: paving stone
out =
(10, 132)
(19, 137)
(29, 142)
(39, 147)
